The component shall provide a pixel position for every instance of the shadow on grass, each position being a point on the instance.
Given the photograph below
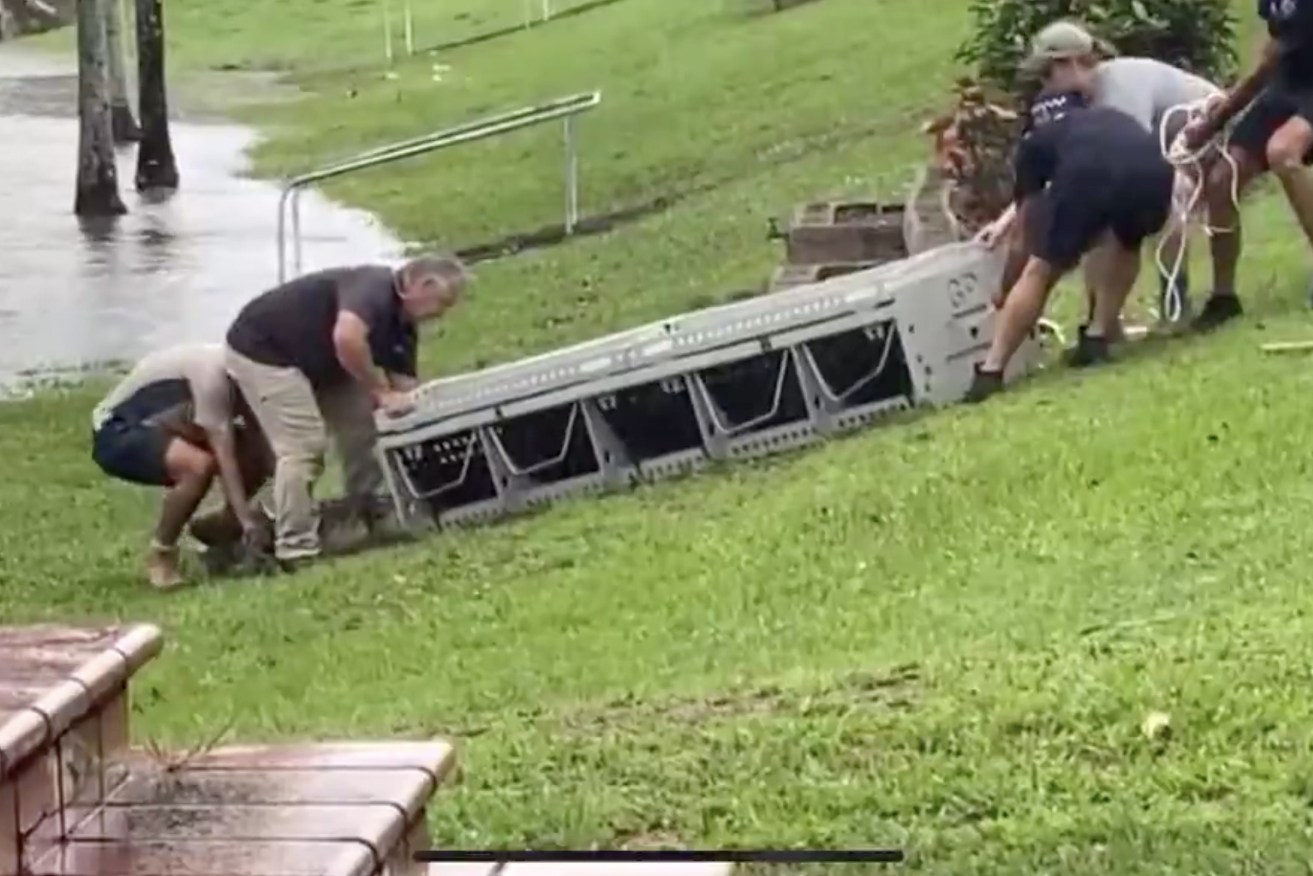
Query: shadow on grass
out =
(551, 235)
(490, 35)
(773, 7)
(895, 688)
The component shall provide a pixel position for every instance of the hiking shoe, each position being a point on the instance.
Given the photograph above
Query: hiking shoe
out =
(292, 565)
(162, 568)
(983, 385)
(1218, 309)
(1088, 350)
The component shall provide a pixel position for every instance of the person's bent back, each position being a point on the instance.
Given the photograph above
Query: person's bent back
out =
(176, 422)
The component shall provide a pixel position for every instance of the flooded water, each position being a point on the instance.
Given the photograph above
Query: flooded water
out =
(75, 298)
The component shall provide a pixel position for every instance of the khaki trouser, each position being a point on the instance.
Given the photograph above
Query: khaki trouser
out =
(297, 421)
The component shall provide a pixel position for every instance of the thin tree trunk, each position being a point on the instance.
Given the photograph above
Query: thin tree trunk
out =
(156, 168)
(124, 125)
(97, 179)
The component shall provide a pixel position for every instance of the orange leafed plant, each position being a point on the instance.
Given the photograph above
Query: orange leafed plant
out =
(972, 147)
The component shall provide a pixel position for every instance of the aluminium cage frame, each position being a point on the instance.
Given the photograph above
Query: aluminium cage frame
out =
(931, 309)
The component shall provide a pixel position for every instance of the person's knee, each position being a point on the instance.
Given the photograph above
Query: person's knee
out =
(306, 457)
(1287, 147)
(187, 462)
(1282, 159)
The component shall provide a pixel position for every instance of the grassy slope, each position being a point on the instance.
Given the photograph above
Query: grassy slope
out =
(943, 633)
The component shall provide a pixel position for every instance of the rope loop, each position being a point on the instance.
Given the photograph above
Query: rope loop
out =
(1187, 191)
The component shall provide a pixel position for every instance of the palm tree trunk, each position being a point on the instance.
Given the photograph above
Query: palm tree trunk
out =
(124, 125)
(156, 168)
(97, 177)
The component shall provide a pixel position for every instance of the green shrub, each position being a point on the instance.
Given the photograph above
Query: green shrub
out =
(1197, 35)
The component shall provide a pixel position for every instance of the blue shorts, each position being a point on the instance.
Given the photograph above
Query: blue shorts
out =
(131, 442)
(132, 451)
(1068, 218)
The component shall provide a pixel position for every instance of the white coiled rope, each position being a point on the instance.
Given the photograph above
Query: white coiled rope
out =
(1185, 203)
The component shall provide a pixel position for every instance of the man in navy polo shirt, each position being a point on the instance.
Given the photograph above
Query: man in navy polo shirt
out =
(1274, 133)
(317, 356)
(1087, 179)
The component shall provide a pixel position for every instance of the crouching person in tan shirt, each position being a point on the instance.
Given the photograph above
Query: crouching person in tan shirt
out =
(175, 421)
(317, 356)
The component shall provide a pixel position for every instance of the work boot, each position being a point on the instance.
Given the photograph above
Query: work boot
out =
(983, 385)
(292, 565)
(1217, 310)
(1088, 350)
(162, 567)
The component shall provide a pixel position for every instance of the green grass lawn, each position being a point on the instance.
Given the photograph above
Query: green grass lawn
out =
(943, 634)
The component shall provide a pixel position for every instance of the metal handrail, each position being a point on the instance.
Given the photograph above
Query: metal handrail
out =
(479, 129)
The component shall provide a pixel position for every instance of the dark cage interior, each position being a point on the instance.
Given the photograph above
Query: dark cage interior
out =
(450, 472)
(549, 446)
(746, 391)
(653, 420)
(848, 364)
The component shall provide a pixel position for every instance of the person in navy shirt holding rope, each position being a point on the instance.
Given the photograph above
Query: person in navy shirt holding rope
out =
(1088, 180)
(1274, 133)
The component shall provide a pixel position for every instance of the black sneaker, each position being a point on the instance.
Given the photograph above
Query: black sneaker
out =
(1088, 350)
(1217, 310)
(983, 385)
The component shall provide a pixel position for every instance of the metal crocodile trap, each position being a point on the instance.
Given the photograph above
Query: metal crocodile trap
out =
(754, 377)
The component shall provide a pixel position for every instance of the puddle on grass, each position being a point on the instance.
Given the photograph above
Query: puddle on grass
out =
(75, 298)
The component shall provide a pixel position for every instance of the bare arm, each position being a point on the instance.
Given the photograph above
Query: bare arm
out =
(351, 343)
(230, 473)
(402, 382)
(1244, 92)
(1009, 216)
(213, 397)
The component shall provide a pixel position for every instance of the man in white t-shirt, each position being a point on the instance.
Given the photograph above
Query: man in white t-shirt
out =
(1065, 56)
(176, 421)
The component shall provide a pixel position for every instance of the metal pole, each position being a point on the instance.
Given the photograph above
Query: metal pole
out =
(547, 9)
(296, 231)
(127, 24)
(410, 31)
(282, 238)
(387, 31)
(571, 177)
